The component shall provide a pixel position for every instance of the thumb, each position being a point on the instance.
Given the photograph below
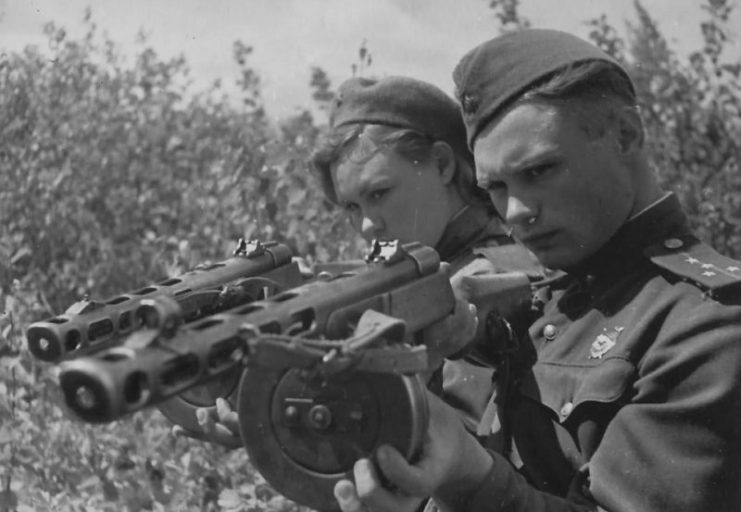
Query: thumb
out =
(405, 476)
(347, 497)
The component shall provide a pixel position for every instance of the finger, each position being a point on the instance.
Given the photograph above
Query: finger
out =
(227, 416)
(375, 496)
(216, 432)
(408, 478)
(366, 478)
(223, 407)
(465, 323)
(452, 334)
(473, 322)
(205, 420)
(179, 431)
(465, 312)
(473, 310)
(347, 497)
(224, 436)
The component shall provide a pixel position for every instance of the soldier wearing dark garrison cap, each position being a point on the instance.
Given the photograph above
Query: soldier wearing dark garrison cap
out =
(627, 393)
(396, 161)
(400, 102)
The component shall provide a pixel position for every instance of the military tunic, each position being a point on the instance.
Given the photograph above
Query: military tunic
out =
(628, 394)
(474, 243)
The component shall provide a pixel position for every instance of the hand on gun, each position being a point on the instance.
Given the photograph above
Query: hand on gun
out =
(451, 465)
(315, 369)
(451, 334)
(219, 425)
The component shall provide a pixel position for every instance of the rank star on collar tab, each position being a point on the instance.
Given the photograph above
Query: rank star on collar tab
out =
(604, 342)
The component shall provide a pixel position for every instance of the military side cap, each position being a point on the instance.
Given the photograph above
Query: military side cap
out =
(401, 102)
(497, 72)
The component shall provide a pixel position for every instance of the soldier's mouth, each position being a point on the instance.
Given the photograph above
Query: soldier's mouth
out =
(539, 240)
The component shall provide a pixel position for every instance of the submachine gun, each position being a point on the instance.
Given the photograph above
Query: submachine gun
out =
(254, 271)
(330, 370)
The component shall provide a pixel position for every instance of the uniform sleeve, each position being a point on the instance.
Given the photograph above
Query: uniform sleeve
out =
(466, 385)
(674, 446)
(677, 444)
(468, 377)
(506, 490)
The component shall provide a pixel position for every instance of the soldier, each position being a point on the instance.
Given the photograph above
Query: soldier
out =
(395, 159)
(628, 393)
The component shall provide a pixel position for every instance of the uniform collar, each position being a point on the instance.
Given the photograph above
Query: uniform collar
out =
(663, 219)
(472, 224)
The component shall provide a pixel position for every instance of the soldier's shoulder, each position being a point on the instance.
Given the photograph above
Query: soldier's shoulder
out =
(691, 260)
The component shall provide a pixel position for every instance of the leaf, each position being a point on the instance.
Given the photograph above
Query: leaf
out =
(8, 500)
(90, 481)
(230, 500)
(185, 460)
(110, 492)
(6, 435)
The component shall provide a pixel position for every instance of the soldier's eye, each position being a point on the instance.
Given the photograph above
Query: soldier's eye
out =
(538, 171)
(496, 186)
(378, 194)
(351, 208)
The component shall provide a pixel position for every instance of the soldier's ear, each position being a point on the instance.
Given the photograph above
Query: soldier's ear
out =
(629, 130)
(444, 157)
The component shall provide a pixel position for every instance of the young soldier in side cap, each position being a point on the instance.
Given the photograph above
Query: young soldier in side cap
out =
(628, 397)
(396, 160)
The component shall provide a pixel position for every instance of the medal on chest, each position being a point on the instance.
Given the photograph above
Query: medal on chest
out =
(604, 342)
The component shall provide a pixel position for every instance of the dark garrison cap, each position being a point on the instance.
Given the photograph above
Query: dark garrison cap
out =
(400, 102)
(496, 73)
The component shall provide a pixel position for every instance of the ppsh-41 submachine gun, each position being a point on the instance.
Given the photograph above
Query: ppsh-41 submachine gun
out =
(254, 271)
(329, 370)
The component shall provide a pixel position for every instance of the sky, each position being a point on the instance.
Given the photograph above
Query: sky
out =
(420, 38)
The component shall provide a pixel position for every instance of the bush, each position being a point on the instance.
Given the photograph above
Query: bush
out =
(115, 174)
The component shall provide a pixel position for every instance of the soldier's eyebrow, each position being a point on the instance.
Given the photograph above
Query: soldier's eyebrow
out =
(371, 184)
(365, 187)
(533, 160)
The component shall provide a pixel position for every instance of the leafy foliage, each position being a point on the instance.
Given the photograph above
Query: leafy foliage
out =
(692, 115)
(365, 59)
(116, 173)
(507, 13)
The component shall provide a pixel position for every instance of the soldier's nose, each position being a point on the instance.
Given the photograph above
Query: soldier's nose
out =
(518, 212)
(371, 228)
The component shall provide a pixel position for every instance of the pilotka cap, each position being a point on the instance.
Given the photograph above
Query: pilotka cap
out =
(401, 102)
(495, 73)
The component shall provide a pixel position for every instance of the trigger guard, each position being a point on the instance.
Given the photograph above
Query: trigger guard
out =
(303, 432)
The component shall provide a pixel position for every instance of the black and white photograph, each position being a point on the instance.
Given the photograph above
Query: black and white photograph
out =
(370, 256)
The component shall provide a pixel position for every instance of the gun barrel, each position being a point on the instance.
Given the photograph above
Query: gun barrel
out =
(89, 325)
(120, 380)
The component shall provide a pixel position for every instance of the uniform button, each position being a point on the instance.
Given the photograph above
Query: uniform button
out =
(673, 243)
(567, 408)
(549, 332)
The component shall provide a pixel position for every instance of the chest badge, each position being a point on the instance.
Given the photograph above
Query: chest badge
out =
(604, 342)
